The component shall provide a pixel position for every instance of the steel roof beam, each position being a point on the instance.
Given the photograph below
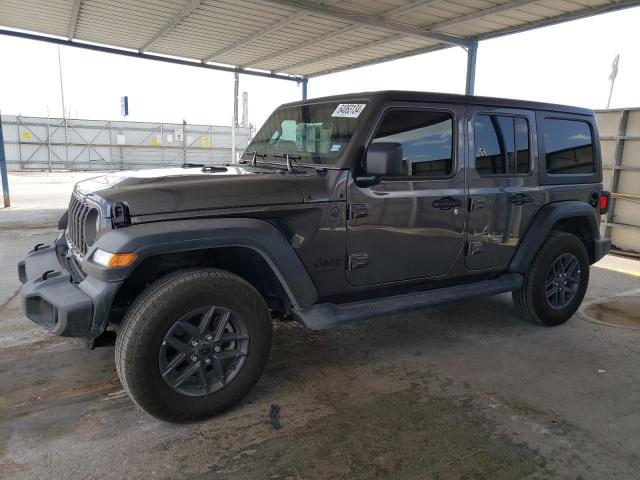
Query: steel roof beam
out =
(349, 51)
(408, 8)
(481, 13)
(587, 12)
(371, 21)
(434, 26)
(394, 12)
(271, 28)
(145, 56)
(73, 20)
(188, 10)
(297, 46)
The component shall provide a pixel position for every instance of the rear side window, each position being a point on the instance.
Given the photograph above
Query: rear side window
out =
(426, 138)
(501, 145)
(568, 146)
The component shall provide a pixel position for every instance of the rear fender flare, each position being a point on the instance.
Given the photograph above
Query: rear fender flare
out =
(542, 225)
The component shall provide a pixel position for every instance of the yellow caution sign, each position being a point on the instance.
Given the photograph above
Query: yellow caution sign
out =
(204, 140)
(26, 135)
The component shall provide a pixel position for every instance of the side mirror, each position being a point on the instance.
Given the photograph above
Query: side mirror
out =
(384, 160)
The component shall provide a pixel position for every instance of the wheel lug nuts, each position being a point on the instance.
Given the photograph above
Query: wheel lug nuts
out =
(216, 349)
(208, 337)
(207, 361)
(194, 344)
(194, 358)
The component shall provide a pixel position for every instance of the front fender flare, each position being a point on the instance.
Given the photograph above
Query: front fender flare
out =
(151, 239)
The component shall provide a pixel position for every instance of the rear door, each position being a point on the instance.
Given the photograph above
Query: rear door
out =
(410, 226)
(502, 183)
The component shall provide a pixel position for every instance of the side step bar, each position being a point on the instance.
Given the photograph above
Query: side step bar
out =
(326, 315)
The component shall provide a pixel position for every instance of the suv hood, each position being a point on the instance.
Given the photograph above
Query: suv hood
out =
(148, 192)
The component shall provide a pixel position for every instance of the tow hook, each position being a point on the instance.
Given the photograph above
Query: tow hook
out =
(39, 246)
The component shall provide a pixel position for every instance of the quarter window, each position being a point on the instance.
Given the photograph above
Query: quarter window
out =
(426, 139)
(501, 145)
(568, 146)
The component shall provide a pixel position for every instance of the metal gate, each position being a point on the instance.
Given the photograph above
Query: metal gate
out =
(37, 143)
(620, 144)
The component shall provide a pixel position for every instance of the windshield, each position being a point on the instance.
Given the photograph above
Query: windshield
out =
(309, 133)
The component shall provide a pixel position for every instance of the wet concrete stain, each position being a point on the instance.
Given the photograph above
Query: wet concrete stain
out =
(402, 435)
(621, 311)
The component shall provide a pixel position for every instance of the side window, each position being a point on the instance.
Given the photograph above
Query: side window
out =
(568, 146)
(426, 138)
(501, 145)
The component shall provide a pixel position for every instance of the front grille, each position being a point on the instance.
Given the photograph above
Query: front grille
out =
(78, 211)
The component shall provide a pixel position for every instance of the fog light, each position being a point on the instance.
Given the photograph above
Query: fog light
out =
(113, 260)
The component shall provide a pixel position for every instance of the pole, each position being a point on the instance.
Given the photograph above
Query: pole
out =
(64, 113)
(233, 142)
(48, 140)
(184, 142)
(612, 77)
(236, 87)
(305, 83)
(472, 53)
(3, 169)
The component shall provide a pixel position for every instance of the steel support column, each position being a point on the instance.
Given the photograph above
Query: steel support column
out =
(305, 83)
(3, 169)
(472, 53)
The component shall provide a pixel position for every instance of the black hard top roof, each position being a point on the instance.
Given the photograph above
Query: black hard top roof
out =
(431, 97)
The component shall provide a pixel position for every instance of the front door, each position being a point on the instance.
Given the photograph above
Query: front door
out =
(410, 226)
(503, 184)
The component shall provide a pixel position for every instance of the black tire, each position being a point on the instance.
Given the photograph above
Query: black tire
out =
(531, 300)
(156, 311)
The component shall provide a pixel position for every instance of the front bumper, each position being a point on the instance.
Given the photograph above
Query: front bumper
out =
(602, 247)
(53, 300)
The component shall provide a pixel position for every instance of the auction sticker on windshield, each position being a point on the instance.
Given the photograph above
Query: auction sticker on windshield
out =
(349, 110)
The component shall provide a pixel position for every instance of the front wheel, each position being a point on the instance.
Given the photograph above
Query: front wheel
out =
(556, 281)
(193, 344)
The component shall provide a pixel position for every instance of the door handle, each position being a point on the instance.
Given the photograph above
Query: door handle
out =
(447, 203)
(520, 199)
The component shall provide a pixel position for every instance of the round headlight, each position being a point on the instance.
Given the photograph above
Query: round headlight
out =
(91, 226)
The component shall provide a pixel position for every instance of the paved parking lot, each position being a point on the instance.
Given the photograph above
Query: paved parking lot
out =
(461, 391)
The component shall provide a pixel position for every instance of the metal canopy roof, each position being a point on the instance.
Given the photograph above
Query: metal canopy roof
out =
(303, 38)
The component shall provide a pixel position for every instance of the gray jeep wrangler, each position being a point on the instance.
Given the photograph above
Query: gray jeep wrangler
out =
(342, 208)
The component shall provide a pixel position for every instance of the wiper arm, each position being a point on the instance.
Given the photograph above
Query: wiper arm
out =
(288, 158)
(255, 155)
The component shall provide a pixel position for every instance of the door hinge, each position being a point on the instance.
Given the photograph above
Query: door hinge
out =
(358, 260)
(474, 248)
(358, 210)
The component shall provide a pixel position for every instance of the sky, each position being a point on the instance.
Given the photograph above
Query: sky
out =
(568, 63)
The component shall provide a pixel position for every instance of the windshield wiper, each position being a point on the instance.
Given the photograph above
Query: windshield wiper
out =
(289, 157)
(255, 155)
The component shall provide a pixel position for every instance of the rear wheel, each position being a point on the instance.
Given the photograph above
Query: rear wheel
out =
(193, 344)
(556, 281)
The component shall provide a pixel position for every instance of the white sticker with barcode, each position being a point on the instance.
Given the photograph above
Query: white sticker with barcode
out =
(349, 110)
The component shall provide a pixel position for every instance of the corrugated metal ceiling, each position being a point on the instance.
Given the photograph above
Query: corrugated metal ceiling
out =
(298, 37)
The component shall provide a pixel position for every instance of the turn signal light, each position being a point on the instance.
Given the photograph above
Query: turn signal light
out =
(113, 260)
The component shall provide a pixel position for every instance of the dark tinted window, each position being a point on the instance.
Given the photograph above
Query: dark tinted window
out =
(568, 146)
(426, 139)
(501, 145)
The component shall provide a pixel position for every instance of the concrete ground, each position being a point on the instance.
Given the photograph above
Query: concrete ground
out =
(462, 391)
